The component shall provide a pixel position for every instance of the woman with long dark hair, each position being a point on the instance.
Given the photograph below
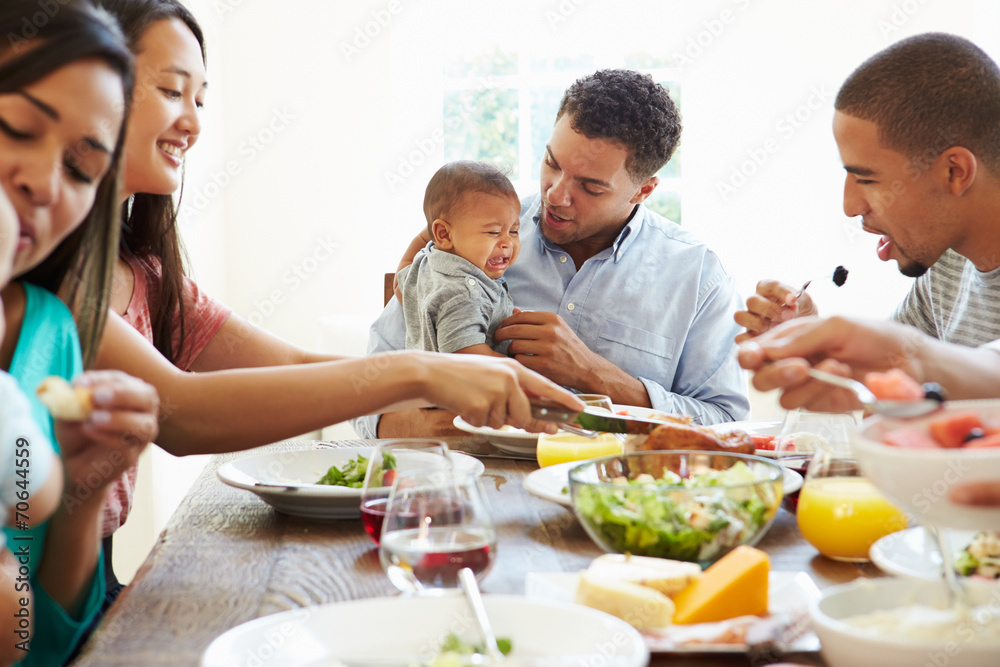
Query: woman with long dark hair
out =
(64, 85)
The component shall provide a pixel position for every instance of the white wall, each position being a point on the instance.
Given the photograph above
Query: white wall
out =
(264, 244)
(307, 226)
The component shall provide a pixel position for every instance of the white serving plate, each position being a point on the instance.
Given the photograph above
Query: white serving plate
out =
(289, 478)
(407, 630)
(913, 553)
(788, 592)
(552, 482)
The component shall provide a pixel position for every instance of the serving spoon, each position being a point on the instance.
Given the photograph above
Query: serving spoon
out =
(897, 409)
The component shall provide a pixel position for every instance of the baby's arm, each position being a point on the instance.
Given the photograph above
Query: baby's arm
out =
(481, 348)
(416, 245)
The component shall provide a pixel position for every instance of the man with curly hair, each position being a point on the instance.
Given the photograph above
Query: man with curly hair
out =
(614, 298)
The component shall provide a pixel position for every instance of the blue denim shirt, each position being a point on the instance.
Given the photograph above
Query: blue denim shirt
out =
(657, 304)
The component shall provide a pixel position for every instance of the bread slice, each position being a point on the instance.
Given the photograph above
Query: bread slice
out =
(669, 577)
(641, 607)
(63, 400)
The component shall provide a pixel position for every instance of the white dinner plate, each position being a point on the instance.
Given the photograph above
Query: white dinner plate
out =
(408, 630)
(913, 553)
(552, 482)
(514, 441)
(523, 444)
(788, 592)
(290, 478)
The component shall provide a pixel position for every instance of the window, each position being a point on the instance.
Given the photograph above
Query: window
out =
(500, 103)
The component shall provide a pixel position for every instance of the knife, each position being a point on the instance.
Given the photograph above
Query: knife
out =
(593, 419)
(611, 423)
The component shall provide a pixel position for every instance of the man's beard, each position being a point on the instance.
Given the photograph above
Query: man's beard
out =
(913, 269)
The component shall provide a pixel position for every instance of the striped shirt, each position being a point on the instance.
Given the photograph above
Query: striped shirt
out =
(954, 302)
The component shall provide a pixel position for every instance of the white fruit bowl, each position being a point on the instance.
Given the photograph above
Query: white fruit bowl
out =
(920, 481)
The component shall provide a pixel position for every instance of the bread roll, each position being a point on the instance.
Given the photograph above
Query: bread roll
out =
(669, 577)
(641, 607)
(64, 401)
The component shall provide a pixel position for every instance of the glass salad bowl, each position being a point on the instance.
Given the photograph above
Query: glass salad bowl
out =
(685, 505)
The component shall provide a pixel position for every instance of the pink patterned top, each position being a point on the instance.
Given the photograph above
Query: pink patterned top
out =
(203, 316)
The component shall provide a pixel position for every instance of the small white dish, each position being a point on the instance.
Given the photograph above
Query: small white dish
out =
(913, 553)
(552, 482)
(408, 630)
(788, 592)
(286, 480)
(761, 427)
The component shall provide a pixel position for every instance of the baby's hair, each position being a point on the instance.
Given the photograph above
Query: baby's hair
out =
(451, 183)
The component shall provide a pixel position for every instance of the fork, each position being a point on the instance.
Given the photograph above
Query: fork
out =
(467, 579)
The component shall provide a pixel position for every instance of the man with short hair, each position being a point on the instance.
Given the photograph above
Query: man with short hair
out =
(918, 128)
(614, 298)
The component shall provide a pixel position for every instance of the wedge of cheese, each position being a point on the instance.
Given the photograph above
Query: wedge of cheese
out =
(669, 577)
(641, 607)
(735, 585)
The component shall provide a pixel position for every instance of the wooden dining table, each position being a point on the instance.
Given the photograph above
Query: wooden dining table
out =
(227, 557)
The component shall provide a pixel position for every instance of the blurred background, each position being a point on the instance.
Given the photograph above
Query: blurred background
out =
(325, 120)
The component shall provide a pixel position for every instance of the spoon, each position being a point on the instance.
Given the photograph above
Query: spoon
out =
(467, 578)
(956, 594)
(898, 409)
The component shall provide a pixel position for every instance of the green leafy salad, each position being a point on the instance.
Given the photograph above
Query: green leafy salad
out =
(455, 651)
(696, 522)
(352, 473)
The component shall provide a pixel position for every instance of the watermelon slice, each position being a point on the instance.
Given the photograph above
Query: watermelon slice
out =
(909, 438)
(894, 385)
(953, 430)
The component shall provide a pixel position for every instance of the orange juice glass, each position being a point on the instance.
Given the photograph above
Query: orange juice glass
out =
(843, 516)
(563, 447)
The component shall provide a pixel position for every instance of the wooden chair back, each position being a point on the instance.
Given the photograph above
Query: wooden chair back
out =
(387, 288)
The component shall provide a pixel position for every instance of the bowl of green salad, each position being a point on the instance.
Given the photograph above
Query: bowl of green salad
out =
(684, 505)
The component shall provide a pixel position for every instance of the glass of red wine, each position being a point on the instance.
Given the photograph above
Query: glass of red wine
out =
(436, 523)
(802, 433)
(388, 460)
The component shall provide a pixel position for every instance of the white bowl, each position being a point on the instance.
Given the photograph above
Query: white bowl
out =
(845, 645)
(919, 481)
(408, 630)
